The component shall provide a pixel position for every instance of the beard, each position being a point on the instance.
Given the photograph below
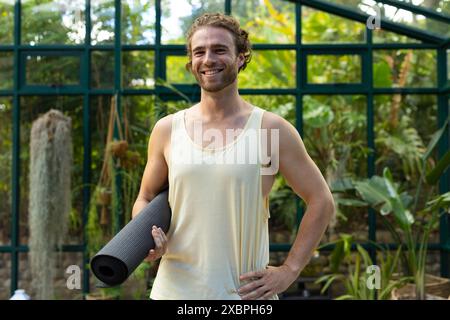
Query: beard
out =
(222, 80)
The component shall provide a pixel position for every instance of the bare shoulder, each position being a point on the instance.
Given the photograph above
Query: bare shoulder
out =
(163, 127)
(164, 124)
(274, 121)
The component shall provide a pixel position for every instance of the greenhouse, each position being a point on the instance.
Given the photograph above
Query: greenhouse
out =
(365, 84)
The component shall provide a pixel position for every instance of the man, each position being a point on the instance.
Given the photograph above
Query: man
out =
(217, 246)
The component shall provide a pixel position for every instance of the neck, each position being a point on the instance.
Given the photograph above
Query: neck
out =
(221, 104)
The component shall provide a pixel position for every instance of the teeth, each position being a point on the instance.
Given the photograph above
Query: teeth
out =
(210, 72)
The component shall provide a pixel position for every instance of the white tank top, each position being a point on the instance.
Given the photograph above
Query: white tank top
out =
(219, 226)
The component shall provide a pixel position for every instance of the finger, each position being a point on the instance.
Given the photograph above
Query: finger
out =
(164, 240)
(163, 235)
(253, 274)
(154, 232)
(157, 240)
(266, 296)
(151, 256)
(250, 286)
(160, 236)
(256, 294)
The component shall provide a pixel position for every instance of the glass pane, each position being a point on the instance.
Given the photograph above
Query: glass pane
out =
(441, 6)
(267, 21)
(269, 69)
(139, 113)
(60, 282)
(404, 125)
(52, 70)
(137, 119)
(322, 27)
(102, 19)
(282, 200)
(282, 105)
(335, 137)
(7, 21)
(141, 117)
(177, 17)
(6, 69)
(5, 169)
(102, 69)
(100, 109)
(5, 276)
(31, 108)
(138, 69)
(322, 69)
(395, 15)
(404, 68)
(53, 21)
(383, 36)
(138, 22)
(176, 71)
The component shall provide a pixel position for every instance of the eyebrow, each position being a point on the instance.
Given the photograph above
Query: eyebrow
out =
(215, 46)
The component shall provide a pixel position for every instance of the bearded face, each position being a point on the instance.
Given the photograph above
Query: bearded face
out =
(215, 64)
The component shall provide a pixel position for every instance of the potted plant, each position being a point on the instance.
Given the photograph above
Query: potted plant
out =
(384, 195)
(351, 271)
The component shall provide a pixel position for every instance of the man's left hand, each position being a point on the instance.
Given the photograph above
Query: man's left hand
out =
(266, 283)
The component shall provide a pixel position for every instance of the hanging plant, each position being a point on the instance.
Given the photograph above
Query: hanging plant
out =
(50, 195)
(106, 198)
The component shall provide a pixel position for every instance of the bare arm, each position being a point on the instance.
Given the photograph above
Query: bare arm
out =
(303, 176)
(306, 180)
(155, 177)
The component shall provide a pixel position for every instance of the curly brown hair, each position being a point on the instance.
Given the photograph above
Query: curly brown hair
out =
(219, 20)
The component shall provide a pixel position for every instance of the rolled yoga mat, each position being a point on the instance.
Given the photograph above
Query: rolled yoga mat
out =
(114, 263)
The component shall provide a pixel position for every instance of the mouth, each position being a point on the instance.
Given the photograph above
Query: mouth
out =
(211, 72)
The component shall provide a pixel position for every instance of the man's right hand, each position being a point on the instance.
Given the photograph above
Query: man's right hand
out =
(160, 239)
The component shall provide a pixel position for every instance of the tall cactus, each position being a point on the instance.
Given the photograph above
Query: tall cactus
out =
(50, 196)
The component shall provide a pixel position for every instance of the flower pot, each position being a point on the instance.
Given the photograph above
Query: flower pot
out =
(104, 197)
(436, 288)
(118, 148)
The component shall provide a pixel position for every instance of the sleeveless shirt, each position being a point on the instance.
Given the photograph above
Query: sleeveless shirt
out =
(219, 226)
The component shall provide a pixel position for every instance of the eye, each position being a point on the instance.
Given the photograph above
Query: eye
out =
(220, 51)
(198, 53)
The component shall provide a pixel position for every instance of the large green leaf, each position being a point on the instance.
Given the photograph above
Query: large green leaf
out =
(317, 115)
(382, 194)
(342, 185)
(434, 140)
(440, 202)
(401, 213)
(434, 175)
(341, 251)
(373, 191)
(382, 75)
(350, 202)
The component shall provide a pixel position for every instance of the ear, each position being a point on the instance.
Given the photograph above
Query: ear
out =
(241, 59)
(188, 66)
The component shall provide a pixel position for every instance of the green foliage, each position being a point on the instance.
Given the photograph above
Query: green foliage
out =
(322, 27)
(334, 128)
(383, 194)
(355, 271)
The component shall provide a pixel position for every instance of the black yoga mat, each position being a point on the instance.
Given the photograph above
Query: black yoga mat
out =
(114, 263)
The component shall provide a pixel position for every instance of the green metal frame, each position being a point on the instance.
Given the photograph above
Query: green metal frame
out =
(364, 50)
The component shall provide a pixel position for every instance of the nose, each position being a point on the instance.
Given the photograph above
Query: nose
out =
(209, 57)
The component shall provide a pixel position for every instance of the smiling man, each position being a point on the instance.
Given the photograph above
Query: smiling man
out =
(217, 246)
